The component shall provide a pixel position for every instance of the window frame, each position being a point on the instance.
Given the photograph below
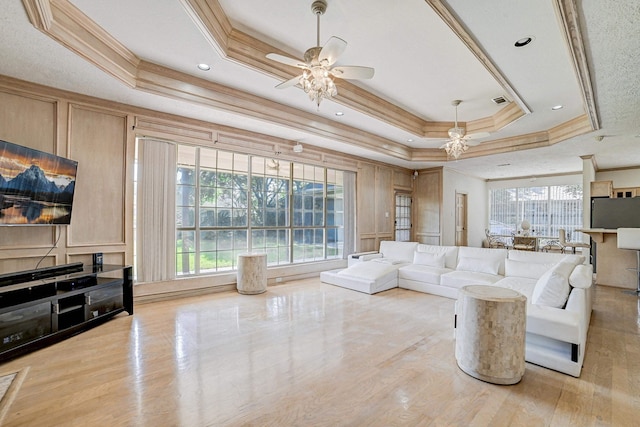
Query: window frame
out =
(319, 249)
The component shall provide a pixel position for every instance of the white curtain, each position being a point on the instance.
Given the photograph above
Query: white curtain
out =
(349, 180)
(156, 208)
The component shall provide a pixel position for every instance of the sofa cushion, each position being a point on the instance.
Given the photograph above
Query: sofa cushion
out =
(402, 251)
(450, 253)
(369, 270)
(552, 288)
(431, 260)
(486, 254)
(389, 261)
(581, 276)
(544, 257)
(458, 279)
(478, 265)
(523, 285)
(422, 273)
(530, 270)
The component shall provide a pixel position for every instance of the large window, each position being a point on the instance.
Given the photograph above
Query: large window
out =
(547, 208)
(229, 203)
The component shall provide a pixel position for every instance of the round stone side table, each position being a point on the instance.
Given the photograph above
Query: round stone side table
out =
(490, 333)
(252, 273)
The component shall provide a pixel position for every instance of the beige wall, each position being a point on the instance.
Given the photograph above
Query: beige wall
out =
(477, 207)
(100, 135)
(621, 178)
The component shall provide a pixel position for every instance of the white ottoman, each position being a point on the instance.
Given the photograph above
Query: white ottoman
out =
(252, 273)
(490, 333)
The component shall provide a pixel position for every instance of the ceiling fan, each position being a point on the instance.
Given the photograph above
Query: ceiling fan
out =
(459, 141)
(317, 74)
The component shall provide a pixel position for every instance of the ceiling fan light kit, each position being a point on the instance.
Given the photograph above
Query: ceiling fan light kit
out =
(457, 144)
(317, 75)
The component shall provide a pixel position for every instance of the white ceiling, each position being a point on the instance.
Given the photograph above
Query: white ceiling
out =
(421, 66)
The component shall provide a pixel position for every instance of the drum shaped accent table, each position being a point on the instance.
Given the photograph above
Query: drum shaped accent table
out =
(490, 333)
(252, 273)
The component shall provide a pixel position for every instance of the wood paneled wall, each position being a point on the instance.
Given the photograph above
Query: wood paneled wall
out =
(98, 139)
(376, 187)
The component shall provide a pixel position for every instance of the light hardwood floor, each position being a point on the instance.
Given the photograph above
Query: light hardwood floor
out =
(310, 354)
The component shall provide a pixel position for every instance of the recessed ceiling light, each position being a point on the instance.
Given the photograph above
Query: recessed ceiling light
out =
(523, 41)
(557, 107)
(409, 140)
(339, 113)
(204, 67)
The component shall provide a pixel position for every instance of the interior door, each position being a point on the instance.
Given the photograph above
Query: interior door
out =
(403, 217)
(461, 219)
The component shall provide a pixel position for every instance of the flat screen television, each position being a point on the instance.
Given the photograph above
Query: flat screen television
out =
(36, 188)
(615, 213)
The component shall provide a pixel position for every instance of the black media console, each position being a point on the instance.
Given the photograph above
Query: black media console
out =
(43, 306)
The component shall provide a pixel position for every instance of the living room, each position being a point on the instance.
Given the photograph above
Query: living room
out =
(103, 133)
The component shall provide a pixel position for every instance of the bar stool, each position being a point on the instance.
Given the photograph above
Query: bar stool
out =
(629, 238)
(564, 244)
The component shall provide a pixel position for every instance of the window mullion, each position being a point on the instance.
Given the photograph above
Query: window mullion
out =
(249, 205)
(196, 261)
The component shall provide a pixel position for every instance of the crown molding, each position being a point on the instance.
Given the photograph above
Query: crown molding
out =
(67, 25)
(567, 12)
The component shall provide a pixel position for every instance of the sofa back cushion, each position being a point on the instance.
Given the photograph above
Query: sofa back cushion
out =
(450, 253)
(401, 251)
(489, 255)
(552, 288)
(478, 265)
(529, 270)
(545, 257)
(428, 259)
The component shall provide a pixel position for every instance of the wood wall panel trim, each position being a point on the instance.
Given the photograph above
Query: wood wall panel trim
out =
(109, 257)
(174, 129)
(27, 248)
(107, 160)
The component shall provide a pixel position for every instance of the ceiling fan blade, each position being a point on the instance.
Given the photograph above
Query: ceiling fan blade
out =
(474, 139)
(288, 83)
(353, 72)
(478, 135)
(332, 50)
(286, 60)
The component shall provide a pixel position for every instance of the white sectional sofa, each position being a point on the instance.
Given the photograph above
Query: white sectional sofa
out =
(558, 288)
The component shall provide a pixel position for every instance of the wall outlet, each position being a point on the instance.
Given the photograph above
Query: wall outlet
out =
(278, 279)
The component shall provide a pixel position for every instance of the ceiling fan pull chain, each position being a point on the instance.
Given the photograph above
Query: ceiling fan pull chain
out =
(318, 32)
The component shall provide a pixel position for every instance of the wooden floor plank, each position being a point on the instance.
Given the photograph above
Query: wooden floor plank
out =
(307, 353)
